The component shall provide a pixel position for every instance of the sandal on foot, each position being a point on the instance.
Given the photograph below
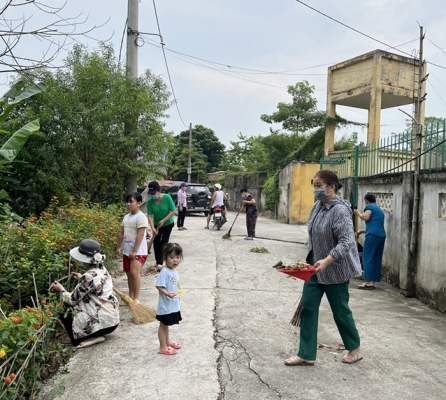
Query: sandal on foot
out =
(91, 342)
(366, 287)
(206, 227)
(175, 346)
(293, 361)
(351, 359)
(167, 352)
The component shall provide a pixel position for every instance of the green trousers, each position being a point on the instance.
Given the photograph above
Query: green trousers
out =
(338, 297)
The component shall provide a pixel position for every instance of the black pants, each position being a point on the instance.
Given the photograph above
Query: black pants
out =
(68, 324)
(160, 240)
(181, 216)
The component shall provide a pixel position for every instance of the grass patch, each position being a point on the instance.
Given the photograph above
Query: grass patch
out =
(262, 250)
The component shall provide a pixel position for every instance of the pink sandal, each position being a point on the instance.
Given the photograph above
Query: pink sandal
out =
(168, 352)
(175, 345)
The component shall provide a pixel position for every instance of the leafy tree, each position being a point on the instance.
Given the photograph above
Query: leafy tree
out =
(178, 171)
(301, 114)
(205, 139)
(9, 151)
(246, 154)
(87, 149)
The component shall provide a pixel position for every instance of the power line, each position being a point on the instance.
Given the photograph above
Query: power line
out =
(353, 29)
(364, 34)
(256, 71)
(438, 47)
(122, 41)
(437, 93)
(167, 66)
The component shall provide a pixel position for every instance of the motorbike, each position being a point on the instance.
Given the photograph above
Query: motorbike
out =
(218, 218)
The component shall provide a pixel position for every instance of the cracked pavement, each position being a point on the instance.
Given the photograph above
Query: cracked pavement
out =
(235, 333)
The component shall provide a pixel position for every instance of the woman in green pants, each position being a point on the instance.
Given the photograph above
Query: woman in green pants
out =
(334, 254)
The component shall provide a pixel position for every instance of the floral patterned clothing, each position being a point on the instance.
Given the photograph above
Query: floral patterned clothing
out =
(94, 303)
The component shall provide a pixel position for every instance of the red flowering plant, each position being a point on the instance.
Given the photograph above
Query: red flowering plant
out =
(37, 250)
(23, 348)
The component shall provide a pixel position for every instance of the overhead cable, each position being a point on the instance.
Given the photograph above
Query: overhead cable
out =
(167, 66)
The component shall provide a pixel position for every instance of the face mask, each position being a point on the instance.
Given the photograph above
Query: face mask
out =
(320, 194)
(155, 196)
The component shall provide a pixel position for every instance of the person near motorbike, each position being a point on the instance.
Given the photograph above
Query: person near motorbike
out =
(217, 200)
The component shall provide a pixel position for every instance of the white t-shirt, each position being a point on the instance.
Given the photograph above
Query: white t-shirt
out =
(218, 199)
(131, 223)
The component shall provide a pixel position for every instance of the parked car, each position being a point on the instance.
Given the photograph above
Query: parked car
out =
(198, 197)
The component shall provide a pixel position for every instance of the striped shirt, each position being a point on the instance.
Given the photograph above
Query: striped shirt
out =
(330, 229)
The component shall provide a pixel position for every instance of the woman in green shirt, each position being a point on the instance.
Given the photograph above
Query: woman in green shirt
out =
(160, 211)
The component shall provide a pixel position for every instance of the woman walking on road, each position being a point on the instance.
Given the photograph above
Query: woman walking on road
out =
(375, 237)
(160, 210)
(332, 250)
(251, 213)
(182, 206)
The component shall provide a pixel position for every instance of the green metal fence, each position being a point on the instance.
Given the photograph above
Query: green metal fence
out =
(434, 145)
(391, 155)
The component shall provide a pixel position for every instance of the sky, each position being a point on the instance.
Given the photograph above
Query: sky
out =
(248, 51)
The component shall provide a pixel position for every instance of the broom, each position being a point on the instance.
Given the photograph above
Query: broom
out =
(228, 235)
(149, 244)
(141, 313)
(296, 320)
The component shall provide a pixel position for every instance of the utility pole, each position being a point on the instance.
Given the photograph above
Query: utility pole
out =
(419, 119)
(132, 64)
(189, 163)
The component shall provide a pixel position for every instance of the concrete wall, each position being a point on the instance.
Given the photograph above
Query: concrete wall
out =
(302, 198)
(296, 191)
(431, 265)
(285, 182)
(394, 197)
(254, 184)
(423, 273)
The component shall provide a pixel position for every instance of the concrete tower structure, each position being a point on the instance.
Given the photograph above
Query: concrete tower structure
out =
(373, 81)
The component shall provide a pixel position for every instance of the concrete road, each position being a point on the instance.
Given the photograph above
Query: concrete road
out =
(235, 333)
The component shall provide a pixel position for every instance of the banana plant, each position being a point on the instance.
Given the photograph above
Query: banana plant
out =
(11, 99)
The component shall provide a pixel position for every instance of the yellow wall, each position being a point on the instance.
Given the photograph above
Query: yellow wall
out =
(302, 198)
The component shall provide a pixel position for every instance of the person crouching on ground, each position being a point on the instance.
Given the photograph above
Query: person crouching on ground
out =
(92, 309)
(133, 234)
(168, 285)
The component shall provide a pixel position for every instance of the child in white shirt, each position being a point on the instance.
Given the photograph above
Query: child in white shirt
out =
(133, 236)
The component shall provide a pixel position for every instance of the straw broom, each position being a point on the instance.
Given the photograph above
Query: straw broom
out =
(296, 320)
(141, 313)
(228, 235)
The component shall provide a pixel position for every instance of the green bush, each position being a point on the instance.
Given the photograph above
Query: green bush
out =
(40, 246)
(272, 192)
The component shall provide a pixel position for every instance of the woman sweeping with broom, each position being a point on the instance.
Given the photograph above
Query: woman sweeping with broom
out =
(334, 254)
(251, 213)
